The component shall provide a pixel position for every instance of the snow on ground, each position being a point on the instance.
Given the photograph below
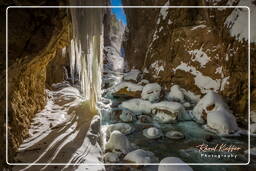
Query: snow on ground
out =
(199, 56)
(237, 21)
(151, 92)
(61, 134)
(204, 83)
(133, 75)
(114, 61)
(183, 167)
(137, 106)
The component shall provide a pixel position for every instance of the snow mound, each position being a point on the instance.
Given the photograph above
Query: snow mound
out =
(182, 167)
(162, 117)
(140, 156)
(137, 106)
(175, 94)
(133, 75)
(151, 92)
(210, 102)
(222, 122)
(152, 133)
(124, 128)
(164, 108)
(126, 116)
(118, 142)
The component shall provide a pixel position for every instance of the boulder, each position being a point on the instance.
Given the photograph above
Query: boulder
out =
(176, 135)
(152, 133)
(127, 89)
(175, 94)
(126, 116)
(151, 92)
(124, 128)
(140, 156)
(132, 76)
(175, 160)
(137, 106)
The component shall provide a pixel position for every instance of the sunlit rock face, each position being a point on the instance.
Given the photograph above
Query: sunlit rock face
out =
(198, 49)
(35, 35)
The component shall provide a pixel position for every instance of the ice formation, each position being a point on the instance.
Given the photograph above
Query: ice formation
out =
(151, 92)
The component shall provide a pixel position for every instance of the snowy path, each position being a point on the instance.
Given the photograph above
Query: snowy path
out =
(64, 132)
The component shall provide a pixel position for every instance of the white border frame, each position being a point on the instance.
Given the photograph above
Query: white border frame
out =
(96, 164)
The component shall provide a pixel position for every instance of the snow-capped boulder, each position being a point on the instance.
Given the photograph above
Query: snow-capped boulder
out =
(175, 94)
(183, 167)
(124, 128)
(209, 103)
(167, 111)
(126, 116)
(187, 105)
(222, 122)
(152, 133)
(143, 82)
(118, 142)
(112, 157)
(176, 135)
(132, 76)
(151, 92)
(137, 106)
(127, 89)
(140, 156)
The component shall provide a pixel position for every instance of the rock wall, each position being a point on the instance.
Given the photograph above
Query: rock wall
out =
(198, 49)
(34, 37)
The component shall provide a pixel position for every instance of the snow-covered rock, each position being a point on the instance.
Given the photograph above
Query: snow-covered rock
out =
(190, 96)
(209, 103)
(140, 156)
(151, 92)
(187, 105)
(183, 167)
(126, 116)
(222, 122)
(152, 133)
(162, 117)
(175, 94)
(164, 108)
(133, 75)
(176, 135)
(112, 157)
(124, 128)
(127, 89)
(137, 106)
(143, 82)
(118, 142)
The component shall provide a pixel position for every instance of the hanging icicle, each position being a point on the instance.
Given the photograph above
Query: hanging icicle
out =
(87, 47)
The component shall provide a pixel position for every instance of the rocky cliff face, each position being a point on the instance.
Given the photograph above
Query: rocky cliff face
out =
(34, 38)
(199, 49)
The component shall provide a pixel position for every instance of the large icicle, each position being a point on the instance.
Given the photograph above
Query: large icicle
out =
(86, 48)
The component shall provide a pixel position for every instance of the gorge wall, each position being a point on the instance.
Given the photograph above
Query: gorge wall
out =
(34, 38)
(199, 49)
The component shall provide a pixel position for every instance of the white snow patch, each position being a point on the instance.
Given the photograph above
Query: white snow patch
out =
(118, 142)
(141, 156)
(157, 67)
(164, 10)
(200, 56)
(199, 26)
(151, 92)
(175, 94)
(152, 133)
(137, 106)
(237, 21)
